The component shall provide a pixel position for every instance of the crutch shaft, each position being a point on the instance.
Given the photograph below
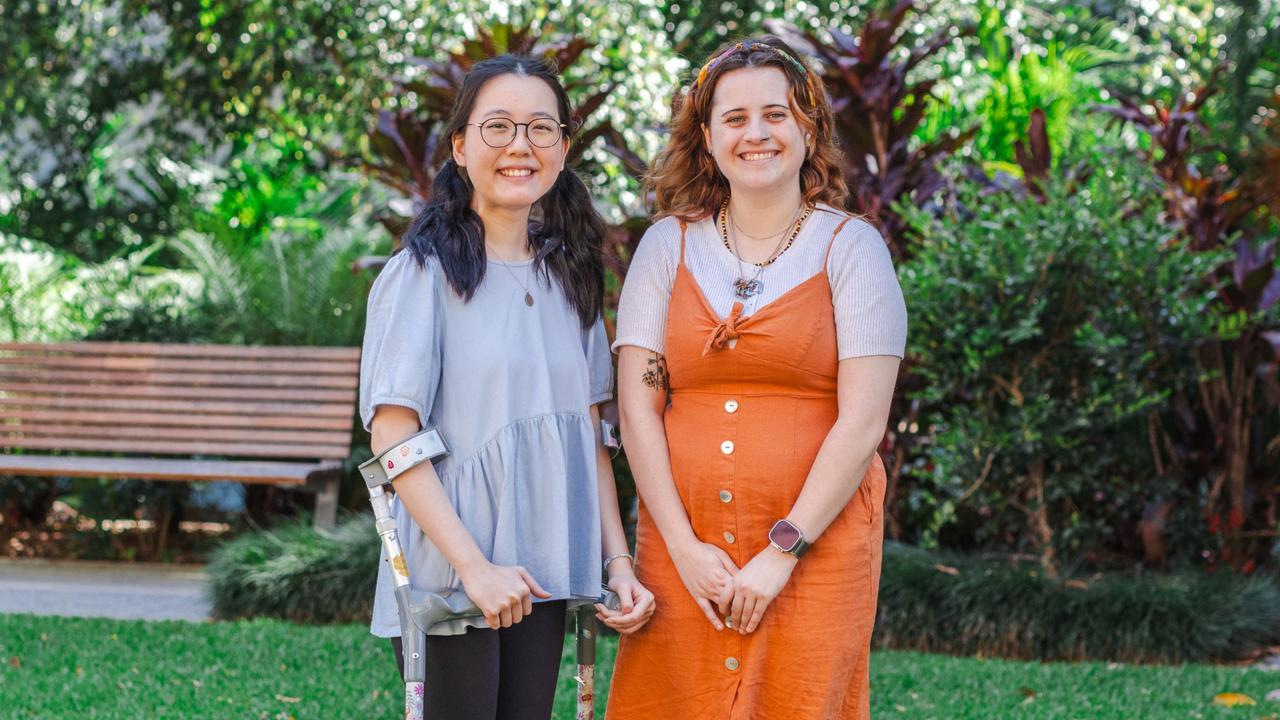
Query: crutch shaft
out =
(586, 652)
(412, 638)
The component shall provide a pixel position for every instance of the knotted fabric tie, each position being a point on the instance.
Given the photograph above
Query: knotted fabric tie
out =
(724, 332)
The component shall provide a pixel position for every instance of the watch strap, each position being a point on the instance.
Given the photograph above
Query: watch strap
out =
(802, 547)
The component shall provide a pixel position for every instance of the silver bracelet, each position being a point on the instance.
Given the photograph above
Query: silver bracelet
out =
(611, 558)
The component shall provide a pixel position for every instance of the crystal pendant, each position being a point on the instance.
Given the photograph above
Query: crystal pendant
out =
(528, 298)
(744, 288)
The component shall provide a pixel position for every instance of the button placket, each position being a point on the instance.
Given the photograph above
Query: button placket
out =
(727, 449)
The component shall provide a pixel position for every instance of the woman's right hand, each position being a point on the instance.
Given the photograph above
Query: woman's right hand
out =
(504, 593)
(706, 571)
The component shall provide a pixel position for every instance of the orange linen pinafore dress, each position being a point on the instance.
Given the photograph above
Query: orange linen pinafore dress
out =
(745, 422)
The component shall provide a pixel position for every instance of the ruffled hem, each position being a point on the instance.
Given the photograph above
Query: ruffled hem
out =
(529, 497)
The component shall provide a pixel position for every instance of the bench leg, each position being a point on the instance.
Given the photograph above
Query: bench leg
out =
(326, 517)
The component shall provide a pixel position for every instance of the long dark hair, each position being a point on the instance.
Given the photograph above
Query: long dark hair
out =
(565, 232)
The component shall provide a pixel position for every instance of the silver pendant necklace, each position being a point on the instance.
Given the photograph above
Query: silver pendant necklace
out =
(528, 296)
(745, 288)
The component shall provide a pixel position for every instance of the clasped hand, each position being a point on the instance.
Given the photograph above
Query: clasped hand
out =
(635, 601)
(740, 595)
(755, 586)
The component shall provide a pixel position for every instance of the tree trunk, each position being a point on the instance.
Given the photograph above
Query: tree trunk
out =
(1039, 510)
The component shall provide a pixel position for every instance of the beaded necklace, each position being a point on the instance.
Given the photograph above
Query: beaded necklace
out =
(745, 287)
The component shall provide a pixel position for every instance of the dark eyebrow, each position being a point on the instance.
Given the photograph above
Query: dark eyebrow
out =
(536, 113)
(766, 107)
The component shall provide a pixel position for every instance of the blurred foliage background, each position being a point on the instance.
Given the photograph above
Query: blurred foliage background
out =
(1082, 200)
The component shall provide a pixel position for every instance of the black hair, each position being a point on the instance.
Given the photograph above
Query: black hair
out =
(565, 232)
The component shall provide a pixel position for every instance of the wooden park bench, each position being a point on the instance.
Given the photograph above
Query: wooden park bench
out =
(277, 415)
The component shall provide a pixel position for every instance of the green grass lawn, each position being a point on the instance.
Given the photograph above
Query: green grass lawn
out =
(71, 667)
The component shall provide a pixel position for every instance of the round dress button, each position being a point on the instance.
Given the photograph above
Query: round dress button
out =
(731, 663)
(729, 537)
(726, 447)
(731, 406)
(726, 496)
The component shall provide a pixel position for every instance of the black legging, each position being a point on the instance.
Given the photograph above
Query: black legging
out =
(505, 674)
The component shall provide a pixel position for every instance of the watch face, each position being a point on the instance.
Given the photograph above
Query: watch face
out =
(784, 535)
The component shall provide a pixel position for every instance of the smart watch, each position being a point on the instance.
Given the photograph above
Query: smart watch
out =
(788, 538)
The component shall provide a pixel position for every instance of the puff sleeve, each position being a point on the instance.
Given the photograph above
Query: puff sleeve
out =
(400, 360)
(595, 343)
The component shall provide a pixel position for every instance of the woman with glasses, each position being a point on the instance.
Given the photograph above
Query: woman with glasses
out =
(759, 335)
(487, 327)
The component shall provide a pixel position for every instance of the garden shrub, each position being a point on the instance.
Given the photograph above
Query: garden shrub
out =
(1047, 333)
(292, 572)
(965, 606)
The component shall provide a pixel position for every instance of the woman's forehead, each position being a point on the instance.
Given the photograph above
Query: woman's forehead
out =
(751, 87)
(517, 96)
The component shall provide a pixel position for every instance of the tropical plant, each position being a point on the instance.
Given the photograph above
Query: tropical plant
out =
(1023, 60)
(294, 289)
(116, 116)
(1238, 388)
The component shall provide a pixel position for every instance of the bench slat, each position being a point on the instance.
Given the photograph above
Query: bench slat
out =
(175, 419)
(289, 367)
(63, 375)
(180, 391)
(277, 473)
(241, 435)
(168, 447)
(186, 407)
(278, 415)
(282, 352)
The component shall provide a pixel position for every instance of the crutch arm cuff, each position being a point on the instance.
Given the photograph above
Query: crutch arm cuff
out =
(401, 457)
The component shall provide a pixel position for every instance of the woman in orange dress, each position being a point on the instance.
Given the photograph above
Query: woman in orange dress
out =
(759, 336)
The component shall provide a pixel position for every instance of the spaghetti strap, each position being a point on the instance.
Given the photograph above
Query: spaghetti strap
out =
(683, 226)
(826, 261)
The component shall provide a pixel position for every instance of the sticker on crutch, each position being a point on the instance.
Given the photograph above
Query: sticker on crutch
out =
(398, 564)
(413, 695)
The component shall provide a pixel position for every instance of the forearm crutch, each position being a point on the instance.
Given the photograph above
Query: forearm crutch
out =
(419, 610)
(377, 473)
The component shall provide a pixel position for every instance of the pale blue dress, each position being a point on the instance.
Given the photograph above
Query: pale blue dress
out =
(510, 388)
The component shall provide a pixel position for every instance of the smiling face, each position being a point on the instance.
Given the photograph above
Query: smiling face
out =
(752, 131)
(514, 177)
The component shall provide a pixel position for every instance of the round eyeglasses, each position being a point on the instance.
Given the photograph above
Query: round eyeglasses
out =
(500, 132)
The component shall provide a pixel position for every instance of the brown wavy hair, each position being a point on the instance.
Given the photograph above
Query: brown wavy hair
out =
(685, 179)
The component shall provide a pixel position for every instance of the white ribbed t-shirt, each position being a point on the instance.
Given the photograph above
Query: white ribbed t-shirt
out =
(870, 314)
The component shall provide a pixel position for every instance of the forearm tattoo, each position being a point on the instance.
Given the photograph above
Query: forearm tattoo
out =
(655, 374)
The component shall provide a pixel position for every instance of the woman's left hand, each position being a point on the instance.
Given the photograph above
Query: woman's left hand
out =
(755, 586)
(636, 603)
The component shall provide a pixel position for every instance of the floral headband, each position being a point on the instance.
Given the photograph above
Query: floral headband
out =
(750, 45)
